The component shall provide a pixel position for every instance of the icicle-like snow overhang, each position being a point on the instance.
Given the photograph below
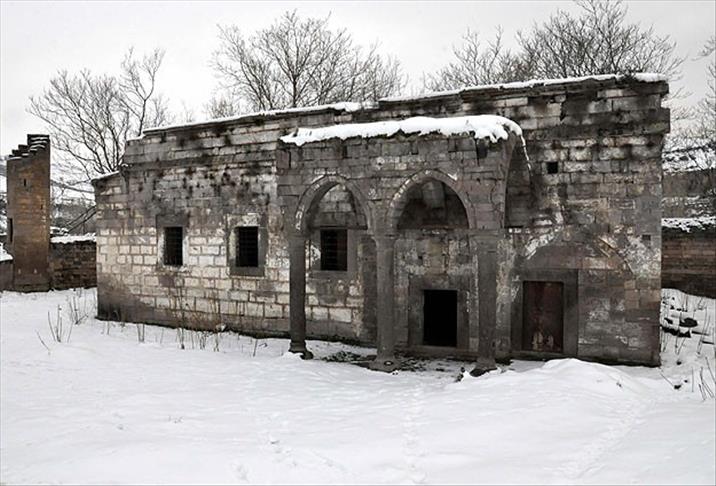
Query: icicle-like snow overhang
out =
(490, 127)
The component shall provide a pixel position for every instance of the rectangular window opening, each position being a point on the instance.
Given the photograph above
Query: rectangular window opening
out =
(173, 245)
(552, 167)
(9, 230)
(247, 246)
(334, 249)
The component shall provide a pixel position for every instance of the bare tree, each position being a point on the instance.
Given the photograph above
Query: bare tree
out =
(90, 117)
(597, 41)
(138, 84)
(477, 64)
(299, 62)
(222, 106)
(705, 123)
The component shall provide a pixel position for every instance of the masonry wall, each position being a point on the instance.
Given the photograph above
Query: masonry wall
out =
(689, 260)
(689, 193)
(73, 264)
(28, 212)
(6, 270)
(594, 223)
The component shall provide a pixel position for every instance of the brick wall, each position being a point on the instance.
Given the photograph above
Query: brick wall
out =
(690, 193)
(28, 212)
(73, 264)
(689, 260)
(6, 275)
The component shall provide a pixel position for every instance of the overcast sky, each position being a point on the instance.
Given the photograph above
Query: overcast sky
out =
(38, 38)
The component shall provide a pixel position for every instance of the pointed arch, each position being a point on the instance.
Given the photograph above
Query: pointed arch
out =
(400, 198)
(318, 189)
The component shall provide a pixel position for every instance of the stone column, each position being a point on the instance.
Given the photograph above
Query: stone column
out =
(297, 289)
(385, 252)
(486, 249)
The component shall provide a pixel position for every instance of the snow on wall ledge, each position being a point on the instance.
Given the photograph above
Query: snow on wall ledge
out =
(65, 240)
(490, 127)
(348, 106)
(689, 224)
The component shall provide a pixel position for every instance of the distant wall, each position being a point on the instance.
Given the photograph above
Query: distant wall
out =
(6, 269)
(73, 264)
(688, 260)
(689, 194)
(28, 213)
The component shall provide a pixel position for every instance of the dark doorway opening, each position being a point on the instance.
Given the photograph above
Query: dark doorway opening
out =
(543, 316)
(440, 318)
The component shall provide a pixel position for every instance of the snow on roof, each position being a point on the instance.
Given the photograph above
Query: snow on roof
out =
(687, 225)
(104, 176)
(490, 127)
(72, 239)
(346, 106)
(688, 156)
(349, 106)
(643, 77)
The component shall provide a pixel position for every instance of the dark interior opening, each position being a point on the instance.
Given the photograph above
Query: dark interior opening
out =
(334, 249)
(173, 245)
(543, 316)
(247, 246)
(440, 318)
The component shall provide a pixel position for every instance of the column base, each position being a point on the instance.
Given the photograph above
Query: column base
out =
(483, 365)
(300, 349)
(386, 364)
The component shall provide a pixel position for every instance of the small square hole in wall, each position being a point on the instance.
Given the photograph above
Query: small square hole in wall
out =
(646, 239)
(552, 167)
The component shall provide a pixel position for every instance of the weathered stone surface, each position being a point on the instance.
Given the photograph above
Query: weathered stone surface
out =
(575, 205)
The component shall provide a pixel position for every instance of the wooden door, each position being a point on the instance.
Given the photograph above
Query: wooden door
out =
(543, 316)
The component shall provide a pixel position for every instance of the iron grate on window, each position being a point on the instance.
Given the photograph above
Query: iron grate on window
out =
(334, 249)
(173, 245)
(247, 246)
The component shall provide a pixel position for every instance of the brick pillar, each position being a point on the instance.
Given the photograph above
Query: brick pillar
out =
(297, 288)
(486, 249)
(385, 251)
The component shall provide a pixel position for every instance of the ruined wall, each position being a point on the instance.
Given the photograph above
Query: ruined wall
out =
(584, 208)
(689, 193)
(73, 263)
(689, 260)
(6, 271)
(28, 212)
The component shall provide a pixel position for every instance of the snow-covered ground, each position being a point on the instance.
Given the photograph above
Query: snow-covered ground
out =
(100, 407)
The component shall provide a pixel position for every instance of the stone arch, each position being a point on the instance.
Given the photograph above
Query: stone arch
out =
(315, 193)
(400, 199)
(540, 250)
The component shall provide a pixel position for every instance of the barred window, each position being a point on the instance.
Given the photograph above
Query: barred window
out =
(247, 246)
(173, 245)
(334, 249)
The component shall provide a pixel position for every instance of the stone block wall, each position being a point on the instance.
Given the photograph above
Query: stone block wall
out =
(73, 264)
(689, 260)
(582, 207)
(689, 193)
(28, 212)
(6, 270)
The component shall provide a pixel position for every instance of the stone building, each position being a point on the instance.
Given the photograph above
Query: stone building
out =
(516, 220)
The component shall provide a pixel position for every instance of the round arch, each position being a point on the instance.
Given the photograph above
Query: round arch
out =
(318, 189)
(399, 199)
